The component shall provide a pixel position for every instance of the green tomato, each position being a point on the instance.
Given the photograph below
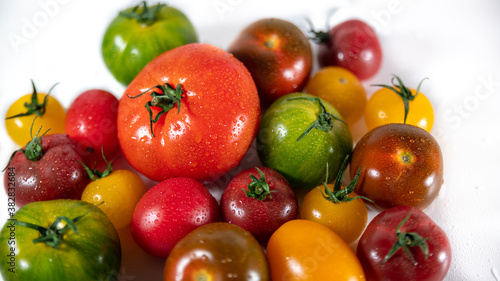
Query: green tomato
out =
(89, 251)
(139, 34)
(299, 136)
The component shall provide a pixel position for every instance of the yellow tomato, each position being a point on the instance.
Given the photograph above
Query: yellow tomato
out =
(347, 219)
(385, 106)
(120, 191)
(52, 117)
(342, 89)
(306, 250)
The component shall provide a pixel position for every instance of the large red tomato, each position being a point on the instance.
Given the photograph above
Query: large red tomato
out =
(191, 112)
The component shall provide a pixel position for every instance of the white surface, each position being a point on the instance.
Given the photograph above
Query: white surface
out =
(454, 43)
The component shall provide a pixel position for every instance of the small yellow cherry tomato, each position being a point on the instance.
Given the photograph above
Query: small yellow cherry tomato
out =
(48, 111)
(308, 251)
(386, 106)
(120, 191)
(342, 89)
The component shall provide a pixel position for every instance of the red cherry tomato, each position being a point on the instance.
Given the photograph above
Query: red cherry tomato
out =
(260, 200)
(353, 45)
(215, 112)
(429, 259)
(170, 210)
(278, 55)
(91, 120)
(47, 168)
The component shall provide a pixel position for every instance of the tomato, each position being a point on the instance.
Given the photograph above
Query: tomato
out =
(119, 192)
(217, 251)
(259, 200)
(278, 55)
(351, 44)
(388, 105)
(341, 88)
(47, 109)
(214, 118)
(59, 240)
(91, 120)
(47, 168)
(139, 34)
(400, 165)
(338, 208)
(170, 210)
(306, 250)
(298, 135)
(382, 253)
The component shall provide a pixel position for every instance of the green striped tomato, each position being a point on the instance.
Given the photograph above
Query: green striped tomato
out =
(91, 253)
(139, 34)
(303, 161)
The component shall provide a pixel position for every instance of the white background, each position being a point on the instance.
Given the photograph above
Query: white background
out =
(456, 44)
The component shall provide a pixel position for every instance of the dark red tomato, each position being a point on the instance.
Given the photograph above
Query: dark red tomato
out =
(353, 45)
(91, 120)
(217, 251)
(214, 116)
(429, 259)
(170, 210)
(260, 201)
(278, 55)
(400, 164)
(47, 168)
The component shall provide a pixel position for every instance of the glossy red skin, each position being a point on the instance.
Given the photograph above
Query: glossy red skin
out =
(353, 45)
(278, 55)
(389, 181)
(261, 218)
(380, 236)
(170, 210)
(91, 120)
(57, 175)
(217, 251)
(217, 122)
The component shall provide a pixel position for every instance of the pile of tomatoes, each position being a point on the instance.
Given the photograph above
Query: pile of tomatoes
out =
(189, 115)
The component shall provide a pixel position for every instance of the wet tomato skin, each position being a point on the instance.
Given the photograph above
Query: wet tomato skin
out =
(400, 164)
(380, 236)
(261, 218)
(217, 251)
(278, 55)
(57, 175)
(170, 210)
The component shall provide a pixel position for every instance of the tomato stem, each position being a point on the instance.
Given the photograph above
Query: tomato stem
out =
(324, 121)
(53, 236)
(402, 91)
(146, 15)
(34, 107)
(319, 37)
(95, 174)
(338, 194)
(166, 100)
(258, 188)
(406, 240)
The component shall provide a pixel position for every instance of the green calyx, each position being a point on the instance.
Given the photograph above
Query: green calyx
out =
(34, 107)
(166, 100)
(258, 188)
(404, 92)
(143, 14)
(407, 240)
(95, 174)
(53, 235)
(34, 150)
(320, 37)
(338, 194)
(324, 121)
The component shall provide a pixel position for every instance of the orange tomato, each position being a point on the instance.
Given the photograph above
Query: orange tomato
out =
(306, 250)
(342, 89)
(385, 106)
(347, 219)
